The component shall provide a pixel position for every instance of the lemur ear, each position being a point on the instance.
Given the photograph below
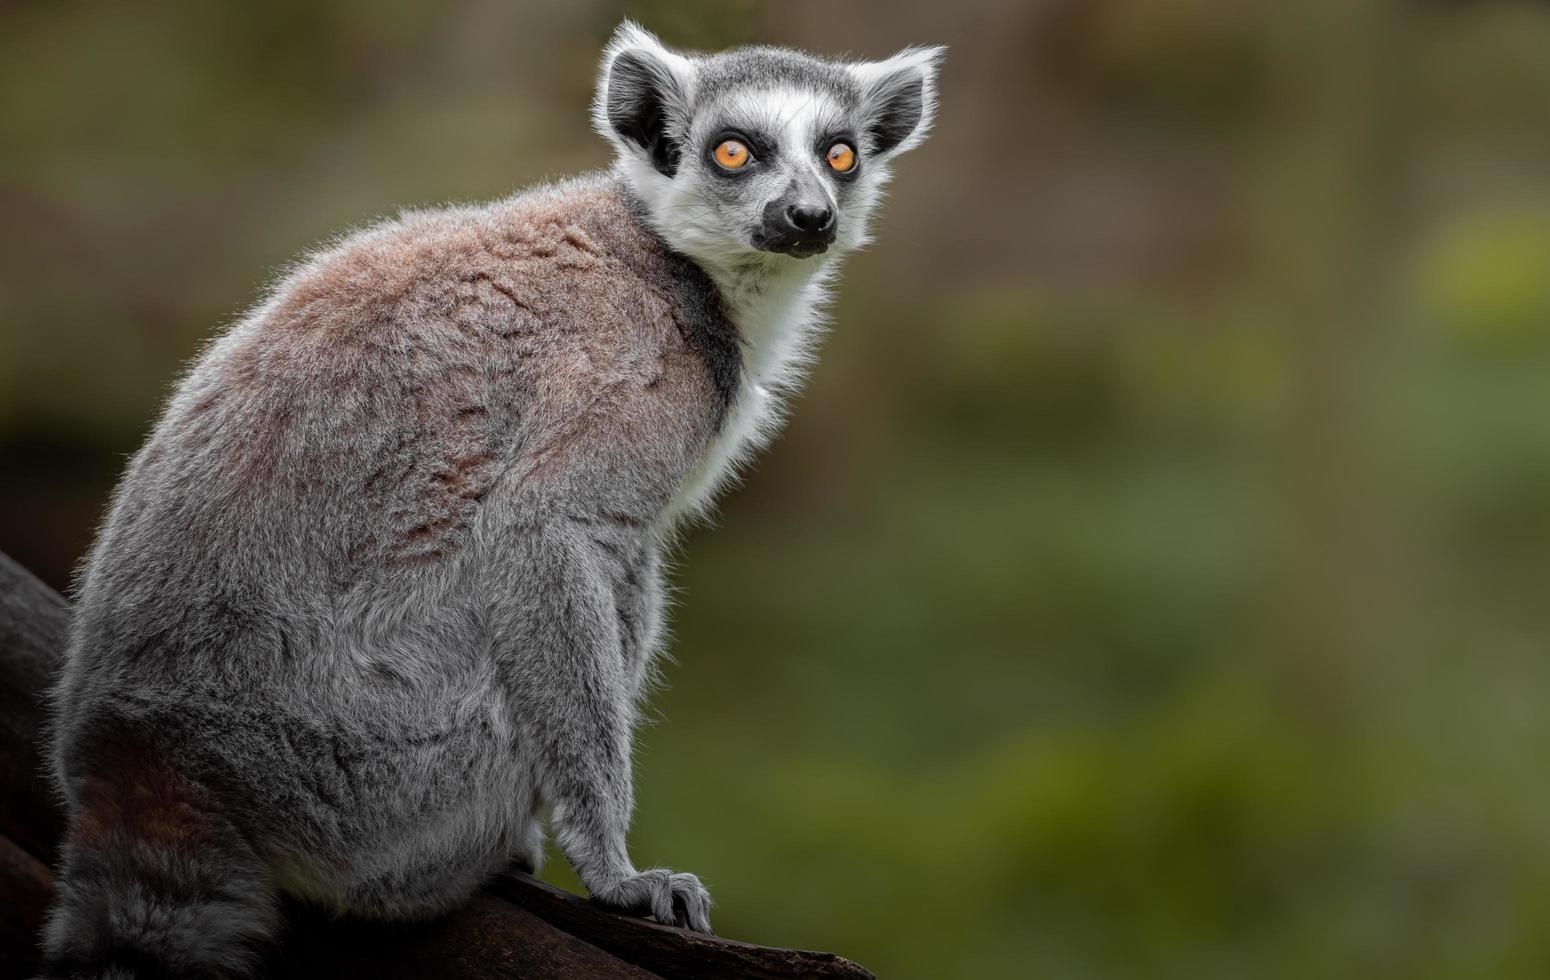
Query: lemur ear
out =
(898, 98)
(643, 92)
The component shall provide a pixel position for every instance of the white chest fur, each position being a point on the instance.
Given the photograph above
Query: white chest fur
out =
(777, 316)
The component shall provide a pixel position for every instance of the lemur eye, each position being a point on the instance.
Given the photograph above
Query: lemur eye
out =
(731, 154)
(842, 158)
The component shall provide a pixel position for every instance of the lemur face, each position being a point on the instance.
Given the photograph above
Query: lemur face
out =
(759, 154)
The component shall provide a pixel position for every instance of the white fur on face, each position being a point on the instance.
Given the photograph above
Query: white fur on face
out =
(694, 215)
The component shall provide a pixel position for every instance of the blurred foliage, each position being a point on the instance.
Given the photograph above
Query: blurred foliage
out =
(1152, 579)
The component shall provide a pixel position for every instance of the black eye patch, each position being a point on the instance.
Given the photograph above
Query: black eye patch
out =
(824, 143)
(760, 145)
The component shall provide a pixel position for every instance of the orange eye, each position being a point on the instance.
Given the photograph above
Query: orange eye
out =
(731, 154)
(842, 158)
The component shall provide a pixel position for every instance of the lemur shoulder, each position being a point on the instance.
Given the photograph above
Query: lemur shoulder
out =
(374, 604)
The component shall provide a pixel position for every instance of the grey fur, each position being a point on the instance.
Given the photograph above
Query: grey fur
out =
(384, 585)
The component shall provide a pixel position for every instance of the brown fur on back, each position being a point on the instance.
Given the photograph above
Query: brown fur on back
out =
(449, 350)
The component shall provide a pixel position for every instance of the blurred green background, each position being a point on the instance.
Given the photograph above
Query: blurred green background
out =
(1153, 578)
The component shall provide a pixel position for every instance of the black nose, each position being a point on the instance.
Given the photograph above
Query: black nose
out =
(810, 219)
(795, 226)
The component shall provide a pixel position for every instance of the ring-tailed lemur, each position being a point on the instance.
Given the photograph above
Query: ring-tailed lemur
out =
(383, 585)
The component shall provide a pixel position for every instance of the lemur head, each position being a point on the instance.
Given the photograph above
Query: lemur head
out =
(759, 156)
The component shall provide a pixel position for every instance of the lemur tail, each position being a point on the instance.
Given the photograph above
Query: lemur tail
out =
(155, 882)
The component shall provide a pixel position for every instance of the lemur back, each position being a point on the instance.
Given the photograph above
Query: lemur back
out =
(395, 379)
(380, 593)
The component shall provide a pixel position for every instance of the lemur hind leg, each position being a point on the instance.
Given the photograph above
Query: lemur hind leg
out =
(155, 879)
(573, 690)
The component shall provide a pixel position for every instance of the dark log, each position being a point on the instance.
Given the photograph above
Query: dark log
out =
(33, 620)
(519, 927)
(487, 939)
(669, 951)
(26, 888)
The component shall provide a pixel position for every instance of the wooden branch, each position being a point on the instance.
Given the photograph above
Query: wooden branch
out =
(669, 951)
(487, 939)
(26, 888)
(518, 928)
(33, 621)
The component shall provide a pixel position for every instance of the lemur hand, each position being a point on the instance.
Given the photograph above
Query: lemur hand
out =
(674, 899)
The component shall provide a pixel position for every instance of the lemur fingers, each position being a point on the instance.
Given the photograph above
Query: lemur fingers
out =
(675, 899)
